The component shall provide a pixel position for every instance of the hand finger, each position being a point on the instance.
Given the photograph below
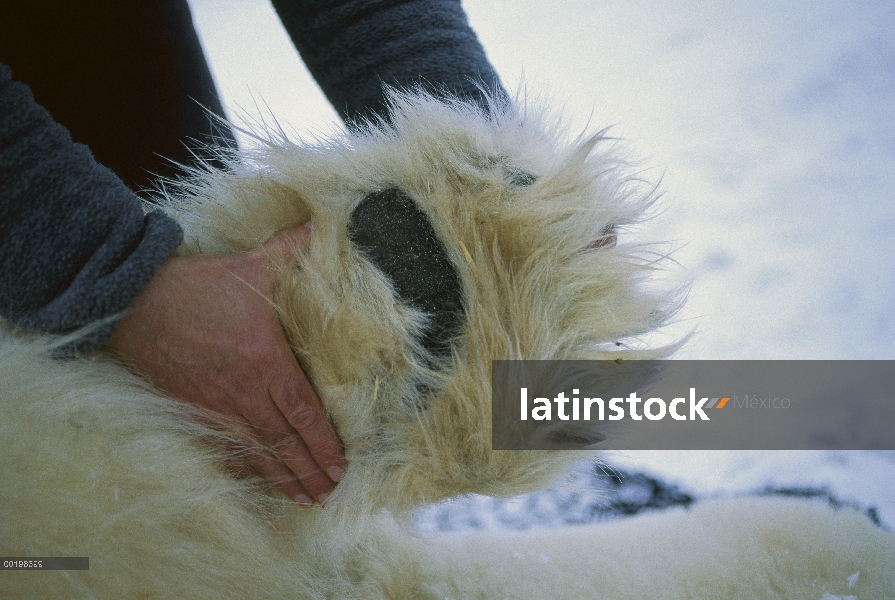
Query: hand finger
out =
(276, 473)
(301, 407)
(244, 470)
(282, 246)
(607, 238)
(291, 451)
(258, 462)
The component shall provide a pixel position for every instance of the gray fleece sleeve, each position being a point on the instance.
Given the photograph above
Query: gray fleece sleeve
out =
(75, 244)
(353, 47)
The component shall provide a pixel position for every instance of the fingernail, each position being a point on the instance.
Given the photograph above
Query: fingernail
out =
(322, 499)
(311, 225)
(304, 500)
(336, 473)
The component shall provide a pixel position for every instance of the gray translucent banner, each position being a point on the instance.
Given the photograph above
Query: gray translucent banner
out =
(44, 563)
(693, 405)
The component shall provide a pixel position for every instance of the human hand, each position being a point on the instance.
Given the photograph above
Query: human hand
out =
(607, 238)
(206, 332)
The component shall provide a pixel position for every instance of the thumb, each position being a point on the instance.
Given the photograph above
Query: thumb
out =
(283, 246)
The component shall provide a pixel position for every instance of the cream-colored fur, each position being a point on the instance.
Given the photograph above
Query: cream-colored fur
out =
(95, 463)
(737, 549)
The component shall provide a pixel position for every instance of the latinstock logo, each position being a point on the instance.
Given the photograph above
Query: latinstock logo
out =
(676, 405)
(654, 409)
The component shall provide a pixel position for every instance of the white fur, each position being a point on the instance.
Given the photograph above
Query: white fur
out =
(94, 463)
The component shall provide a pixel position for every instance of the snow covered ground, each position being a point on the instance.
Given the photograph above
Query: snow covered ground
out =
(771, 125)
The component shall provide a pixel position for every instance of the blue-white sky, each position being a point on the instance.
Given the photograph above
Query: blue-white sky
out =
(772, 125)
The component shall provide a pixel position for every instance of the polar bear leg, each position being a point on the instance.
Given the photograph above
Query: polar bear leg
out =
(755, 548)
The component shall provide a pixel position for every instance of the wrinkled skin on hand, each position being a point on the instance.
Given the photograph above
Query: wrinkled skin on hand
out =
(206, 332)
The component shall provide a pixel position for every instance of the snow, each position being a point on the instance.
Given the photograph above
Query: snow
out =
(864, 478)
(771, 127)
